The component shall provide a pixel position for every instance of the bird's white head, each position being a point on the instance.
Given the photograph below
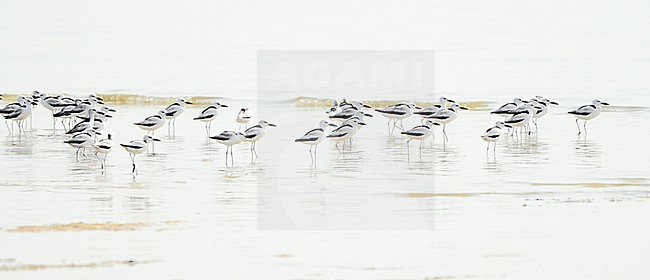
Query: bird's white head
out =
(264, 124)
(217, 104)
(598, 102)
(355, 121)
(457, 106)
(501, 125)
(324, 124)
(412, 105)
(148, 138)
(444, 100)
(430, 123)
(183, 101)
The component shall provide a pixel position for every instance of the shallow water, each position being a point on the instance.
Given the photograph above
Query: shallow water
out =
(551, 199)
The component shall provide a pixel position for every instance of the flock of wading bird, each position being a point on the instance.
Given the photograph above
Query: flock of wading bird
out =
(84, 118)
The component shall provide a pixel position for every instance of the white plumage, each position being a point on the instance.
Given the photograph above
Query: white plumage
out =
(588, 112)
(254, 134)
(229, 138)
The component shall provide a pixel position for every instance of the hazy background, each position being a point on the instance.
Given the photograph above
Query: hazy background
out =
(484, 49)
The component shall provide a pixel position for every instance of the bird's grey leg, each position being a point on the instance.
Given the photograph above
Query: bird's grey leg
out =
(135, 171)
(337, 148)
(100, 160)
(578, 125)
(389, 133)
(585, 126)
(227, 155)
(310, 155)
(408, 150)
(444, 131)
(232, 159)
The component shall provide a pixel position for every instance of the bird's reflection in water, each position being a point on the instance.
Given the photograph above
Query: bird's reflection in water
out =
(395, 150)
(527, 151)
(350, 161)
(425, 167)
(232, 174)
(492, 165)
(137, 205)
(588, 152)
(446, 156)
(17, 149)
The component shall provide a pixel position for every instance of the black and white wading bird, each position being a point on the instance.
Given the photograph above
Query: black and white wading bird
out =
(545, 106)
(506, 110)
(314, 137)
(345, 132)
(243, 117)
(398, 112)
(152, 123)
(492, 135)
(254, 134)
(54, 104)
(17, 112)
(521, 119)
(588, 112)
(347, 113)
(446, 116)
(353, 103)
(428, 111)
(420, 132)
(173, 111)
(93, 120)
(104, 147)
(68, 113)
(81, 141)
(137, 147)
(229, 139)
(209, 114)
